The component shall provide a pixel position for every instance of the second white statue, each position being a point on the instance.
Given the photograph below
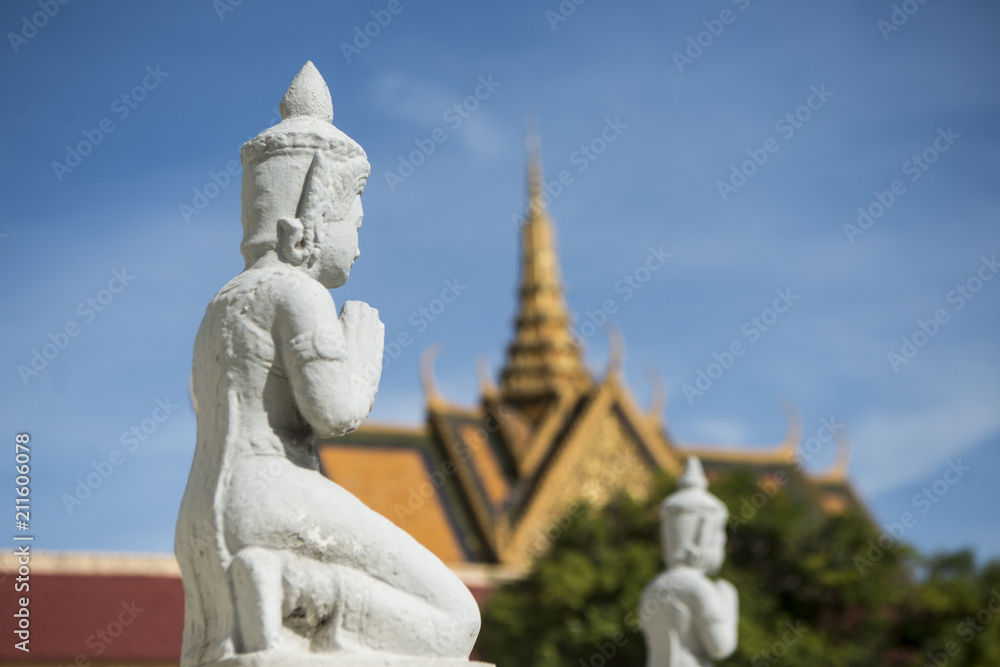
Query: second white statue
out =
(688, 619)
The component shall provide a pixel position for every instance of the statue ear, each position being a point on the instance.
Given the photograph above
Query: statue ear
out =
(294, 246)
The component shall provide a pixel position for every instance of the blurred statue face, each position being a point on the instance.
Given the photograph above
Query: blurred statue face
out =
(713, 546)
(695, 540)
(338, 241)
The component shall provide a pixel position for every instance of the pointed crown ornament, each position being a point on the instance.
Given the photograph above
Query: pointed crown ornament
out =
(305, 135)
(692, 519)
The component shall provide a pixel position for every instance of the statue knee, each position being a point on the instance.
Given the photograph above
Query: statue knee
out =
(464, 617)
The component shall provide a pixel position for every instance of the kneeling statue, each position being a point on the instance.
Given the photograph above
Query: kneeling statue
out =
(281, 566)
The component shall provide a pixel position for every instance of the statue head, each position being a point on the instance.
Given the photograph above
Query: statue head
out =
(693, 523)
(302, 183)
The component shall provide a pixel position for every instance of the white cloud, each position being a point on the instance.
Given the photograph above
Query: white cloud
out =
(893, 448)
(483, 138)
(410, 99)
(427, 104)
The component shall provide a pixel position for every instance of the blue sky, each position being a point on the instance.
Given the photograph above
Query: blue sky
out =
(642, 138)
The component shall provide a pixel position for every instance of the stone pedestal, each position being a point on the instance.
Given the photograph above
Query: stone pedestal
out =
(342, 660)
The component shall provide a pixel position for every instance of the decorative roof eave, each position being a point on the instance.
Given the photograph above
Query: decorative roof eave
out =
(657, 395)
(427, 358)
(487, 387)
(837, 473)
(436, 402)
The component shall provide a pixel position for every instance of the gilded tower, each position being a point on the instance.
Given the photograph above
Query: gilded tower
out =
(543, 361)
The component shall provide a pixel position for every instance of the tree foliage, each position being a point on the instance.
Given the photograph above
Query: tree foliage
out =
(815, 588)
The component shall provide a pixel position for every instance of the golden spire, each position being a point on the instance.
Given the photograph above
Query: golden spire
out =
(543, 358)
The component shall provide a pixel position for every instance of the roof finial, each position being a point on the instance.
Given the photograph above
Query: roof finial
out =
(308, 95)
(657, 394)
(427, 372)
(793, 428)
(839, 469)
(486, 384)
(536, 181)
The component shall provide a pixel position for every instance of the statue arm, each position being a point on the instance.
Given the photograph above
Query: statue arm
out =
(333, 364)
(716, 617)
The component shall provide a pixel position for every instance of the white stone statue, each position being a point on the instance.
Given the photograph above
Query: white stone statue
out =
(281, 566)
(689, 620)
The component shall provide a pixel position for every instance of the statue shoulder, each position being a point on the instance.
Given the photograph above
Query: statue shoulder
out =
(672, 583)
(299, 304)
(290, 290)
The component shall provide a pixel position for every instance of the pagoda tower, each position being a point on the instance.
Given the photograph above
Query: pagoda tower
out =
(543, 361)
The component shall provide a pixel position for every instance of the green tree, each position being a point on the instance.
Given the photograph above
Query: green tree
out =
(815, 588)
(955, 618)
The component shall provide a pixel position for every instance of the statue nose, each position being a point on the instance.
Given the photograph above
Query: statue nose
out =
(357, 253)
